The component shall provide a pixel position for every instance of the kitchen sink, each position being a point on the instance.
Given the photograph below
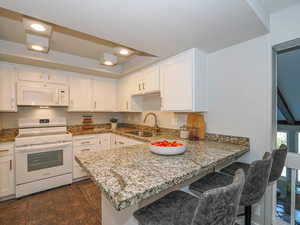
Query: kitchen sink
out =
(141, 133)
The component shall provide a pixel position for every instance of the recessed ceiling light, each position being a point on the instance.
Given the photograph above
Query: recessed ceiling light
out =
(124, 52)
(37, 47)
(108, 63)
(38, 27)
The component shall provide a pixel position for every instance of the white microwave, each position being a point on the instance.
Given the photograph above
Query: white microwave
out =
(39, 94)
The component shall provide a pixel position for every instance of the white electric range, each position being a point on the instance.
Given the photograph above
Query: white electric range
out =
(44, 155)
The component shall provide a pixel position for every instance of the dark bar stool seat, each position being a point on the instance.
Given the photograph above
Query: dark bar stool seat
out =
(279, 158)
(218, 206)
(256, 182)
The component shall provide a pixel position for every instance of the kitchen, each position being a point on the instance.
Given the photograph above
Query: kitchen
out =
(78, 108)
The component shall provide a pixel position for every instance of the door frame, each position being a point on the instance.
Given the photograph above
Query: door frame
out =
(270, 199)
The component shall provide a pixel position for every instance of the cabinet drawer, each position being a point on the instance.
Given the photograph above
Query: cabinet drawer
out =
(85, 140)
(84, 148)
(6, 149)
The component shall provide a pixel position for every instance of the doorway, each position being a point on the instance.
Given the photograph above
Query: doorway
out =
(286, 69)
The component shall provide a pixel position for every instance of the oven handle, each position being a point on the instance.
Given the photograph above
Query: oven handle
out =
(41, 147)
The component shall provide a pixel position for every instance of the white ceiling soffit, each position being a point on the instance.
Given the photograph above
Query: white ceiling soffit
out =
(277, 5)
(15, 52)
(161, 28)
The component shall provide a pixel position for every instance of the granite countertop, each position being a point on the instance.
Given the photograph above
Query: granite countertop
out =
(131, 174)
(8, 135)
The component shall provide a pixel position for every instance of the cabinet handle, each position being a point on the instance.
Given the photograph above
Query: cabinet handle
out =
(85, 150)
(10, 164)
(12, 101)
(3, 150)
(99, 142)
(85, 142)
(143, 86)
(126, 104)
(95, 104)
(139, 86)
(121, 143)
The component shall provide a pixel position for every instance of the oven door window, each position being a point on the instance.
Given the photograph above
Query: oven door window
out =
(44, 160)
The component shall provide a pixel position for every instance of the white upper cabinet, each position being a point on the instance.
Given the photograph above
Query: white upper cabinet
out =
(8, 101)
(88, 94)
(123, 94)
(36, 74)
(80, 94)
(104, 95)
(151, 80)
(125, 99)
(147, 81)
(55, 77)
(183, 82)
(29, 73)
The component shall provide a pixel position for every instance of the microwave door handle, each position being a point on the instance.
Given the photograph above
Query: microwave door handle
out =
(28, 149)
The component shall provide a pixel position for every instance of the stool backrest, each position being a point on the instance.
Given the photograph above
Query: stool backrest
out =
(256, 180)
(220, 206)
(279, 157)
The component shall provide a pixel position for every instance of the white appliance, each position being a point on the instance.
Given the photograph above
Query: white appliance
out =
(44, 155)
(35, 93)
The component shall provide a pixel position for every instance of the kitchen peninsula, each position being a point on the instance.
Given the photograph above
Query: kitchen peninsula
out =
(132, 177)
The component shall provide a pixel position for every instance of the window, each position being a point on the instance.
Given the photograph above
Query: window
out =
(281, 138)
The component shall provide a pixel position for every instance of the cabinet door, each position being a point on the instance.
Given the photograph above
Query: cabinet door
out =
(28, 73)
(7, 184)
(78, 171)
(80, 94)
(177, 86)
(123, 99)
(8, 101)
(56, 77)
(104, 141)
(104, 94)
(137, 84)
(150, 82)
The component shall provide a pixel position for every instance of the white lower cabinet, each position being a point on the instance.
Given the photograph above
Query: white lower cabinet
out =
(7, 170)
(97, 142)
(82, 143)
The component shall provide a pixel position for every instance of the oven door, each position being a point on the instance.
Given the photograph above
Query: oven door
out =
(43, 161)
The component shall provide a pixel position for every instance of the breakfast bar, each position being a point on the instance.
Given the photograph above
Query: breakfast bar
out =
(132, 177)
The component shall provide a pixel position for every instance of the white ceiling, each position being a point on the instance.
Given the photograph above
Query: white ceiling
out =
(13, 30)
(161, 28)
(276, 5)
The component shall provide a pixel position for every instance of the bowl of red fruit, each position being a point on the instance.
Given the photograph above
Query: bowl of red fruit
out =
(167, 147)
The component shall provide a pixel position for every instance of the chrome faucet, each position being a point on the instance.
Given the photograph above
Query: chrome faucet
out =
(156, 127)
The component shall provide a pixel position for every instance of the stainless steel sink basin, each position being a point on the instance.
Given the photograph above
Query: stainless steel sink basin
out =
(141, 133)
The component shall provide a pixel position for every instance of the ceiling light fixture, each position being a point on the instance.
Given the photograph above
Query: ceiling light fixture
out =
(37, 48)
(108, 63)
(123, 51)
(108, 59)
(38, 27)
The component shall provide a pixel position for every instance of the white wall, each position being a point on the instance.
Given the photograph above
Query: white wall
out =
(239, 85)
(240, 97)
(285, 24)
(10, 120)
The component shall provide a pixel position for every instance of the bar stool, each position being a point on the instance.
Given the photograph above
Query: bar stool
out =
(256, 182)
(279, 158)
(218, 206)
